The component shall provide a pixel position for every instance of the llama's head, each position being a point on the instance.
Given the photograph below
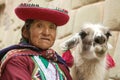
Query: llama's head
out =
(92, 40)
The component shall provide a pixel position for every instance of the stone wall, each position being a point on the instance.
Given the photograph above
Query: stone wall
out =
(81, 11)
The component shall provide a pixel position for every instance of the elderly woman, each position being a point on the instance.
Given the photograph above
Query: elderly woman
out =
(32, 58)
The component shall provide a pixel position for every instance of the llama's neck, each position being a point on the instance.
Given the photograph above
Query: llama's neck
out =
(92, 69)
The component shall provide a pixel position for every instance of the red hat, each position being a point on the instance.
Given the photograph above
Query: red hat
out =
(33, 11)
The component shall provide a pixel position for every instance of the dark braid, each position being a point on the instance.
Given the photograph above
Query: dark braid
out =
(28, 23)
(26, 26)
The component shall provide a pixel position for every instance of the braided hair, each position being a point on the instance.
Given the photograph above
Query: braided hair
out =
(26, 26)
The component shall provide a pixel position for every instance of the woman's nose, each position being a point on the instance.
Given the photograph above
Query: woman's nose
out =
(46, 31)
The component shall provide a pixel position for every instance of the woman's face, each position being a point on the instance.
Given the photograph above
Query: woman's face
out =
(42, 34)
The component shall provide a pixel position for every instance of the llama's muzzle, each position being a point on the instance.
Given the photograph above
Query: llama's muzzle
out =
(99, 39)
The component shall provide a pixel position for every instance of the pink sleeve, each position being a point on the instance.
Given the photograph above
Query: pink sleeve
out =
(18, 68)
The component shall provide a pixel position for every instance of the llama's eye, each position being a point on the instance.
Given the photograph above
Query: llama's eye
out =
(108, 34)
(83, 34)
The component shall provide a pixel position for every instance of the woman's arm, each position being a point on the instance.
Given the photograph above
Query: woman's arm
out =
(18, 68)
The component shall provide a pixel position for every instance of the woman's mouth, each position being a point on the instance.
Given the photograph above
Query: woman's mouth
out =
(46, 39)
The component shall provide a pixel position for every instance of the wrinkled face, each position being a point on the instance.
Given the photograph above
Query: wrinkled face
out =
(42, 34)
(94, 40)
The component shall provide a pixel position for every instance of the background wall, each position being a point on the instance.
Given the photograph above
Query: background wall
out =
(106, 12)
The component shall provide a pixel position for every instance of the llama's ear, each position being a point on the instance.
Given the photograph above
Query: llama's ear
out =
(109, 46)
(108, 34)
(71, 42)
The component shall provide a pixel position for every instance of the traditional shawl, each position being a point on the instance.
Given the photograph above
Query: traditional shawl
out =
(62, 64)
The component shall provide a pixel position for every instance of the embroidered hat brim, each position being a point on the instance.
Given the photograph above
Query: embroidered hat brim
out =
(38, 13)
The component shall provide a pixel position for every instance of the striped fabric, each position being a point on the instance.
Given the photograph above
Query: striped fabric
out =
(46, 70)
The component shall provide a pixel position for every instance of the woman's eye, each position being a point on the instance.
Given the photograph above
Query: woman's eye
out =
(53, 27)
(39, 25)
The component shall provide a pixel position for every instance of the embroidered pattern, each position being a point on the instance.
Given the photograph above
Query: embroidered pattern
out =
(51, 72)
(37, 5)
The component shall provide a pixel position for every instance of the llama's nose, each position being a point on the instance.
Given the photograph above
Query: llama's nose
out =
(99, 39)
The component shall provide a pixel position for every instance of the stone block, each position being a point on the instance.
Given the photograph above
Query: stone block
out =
(80, 3)
(67, 29)
(88, 14)
(113, 41)
(65, 4)
(112, 14)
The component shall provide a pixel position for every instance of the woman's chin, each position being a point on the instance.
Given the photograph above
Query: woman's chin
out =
(44, 46)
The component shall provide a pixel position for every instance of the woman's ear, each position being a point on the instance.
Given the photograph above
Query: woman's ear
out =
(25, 33)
